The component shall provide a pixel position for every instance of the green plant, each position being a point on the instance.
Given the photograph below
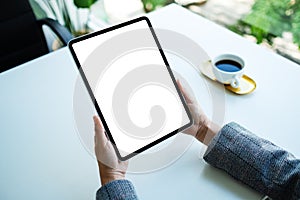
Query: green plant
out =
(38, 11)
(150, 5)
(296, 24)
(84, 3)
(61, 11)
(270, 18)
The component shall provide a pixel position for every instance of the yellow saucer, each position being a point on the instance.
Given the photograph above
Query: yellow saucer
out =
(247, 85)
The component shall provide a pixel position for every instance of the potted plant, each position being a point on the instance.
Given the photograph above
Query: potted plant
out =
(69, 13)
(84, 4)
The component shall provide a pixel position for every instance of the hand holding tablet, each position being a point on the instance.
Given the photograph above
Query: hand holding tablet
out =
(110, 167)
(131, 85)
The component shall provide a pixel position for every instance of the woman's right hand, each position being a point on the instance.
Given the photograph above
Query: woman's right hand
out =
(203, 129)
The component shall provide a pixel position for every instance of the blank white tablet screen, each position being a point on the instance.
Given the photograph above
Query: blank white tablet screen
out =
(132, 86)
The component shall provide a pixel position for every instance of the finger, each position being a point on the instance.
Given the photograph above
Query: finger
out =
(100, 137)
(186, 96)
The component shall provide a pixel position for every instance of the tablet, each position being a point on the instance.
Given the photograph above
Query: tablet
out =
(131, 85)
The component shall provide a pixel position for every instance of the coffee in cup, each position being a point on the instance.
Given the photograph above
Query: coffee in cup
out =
(228, 69)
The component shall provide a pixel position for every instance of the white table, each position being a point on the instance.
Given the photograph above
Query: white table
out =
(42, 156)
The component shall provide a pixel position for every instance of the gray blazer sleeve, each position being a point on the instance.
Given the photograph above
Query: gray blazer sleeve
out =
(117, 190)
(256, 162)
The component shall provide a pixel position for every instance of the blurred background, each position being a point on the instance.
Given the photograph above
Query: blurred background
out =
(273, 24)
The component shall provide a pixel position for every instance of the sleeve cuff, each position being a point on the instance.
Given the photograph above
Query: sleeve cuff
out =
(117, 190)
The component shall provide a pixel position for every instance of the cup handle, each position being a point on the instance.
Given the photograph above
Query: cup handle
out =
(235, 82)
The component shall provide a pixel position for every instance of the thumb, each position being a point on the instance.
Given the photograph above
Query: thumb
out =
(186, 96)
(100, 137)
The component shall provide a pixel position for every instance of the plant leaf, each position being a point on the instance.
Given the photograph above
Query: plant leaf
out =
(84, 3)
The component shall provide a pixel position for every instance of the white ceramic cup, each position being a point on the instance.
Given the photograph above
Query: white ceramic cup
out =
(229, 77)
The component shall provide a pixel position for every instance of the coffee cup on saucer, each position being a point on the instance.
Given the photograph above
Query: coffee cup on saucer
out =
(228, 69)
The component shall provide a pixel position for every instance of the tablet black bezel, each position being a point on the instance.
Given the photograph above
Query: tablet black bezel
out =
(97, 33)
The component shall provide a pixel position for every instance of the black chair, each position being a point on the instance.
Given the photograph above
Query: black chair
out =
(21, 35)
